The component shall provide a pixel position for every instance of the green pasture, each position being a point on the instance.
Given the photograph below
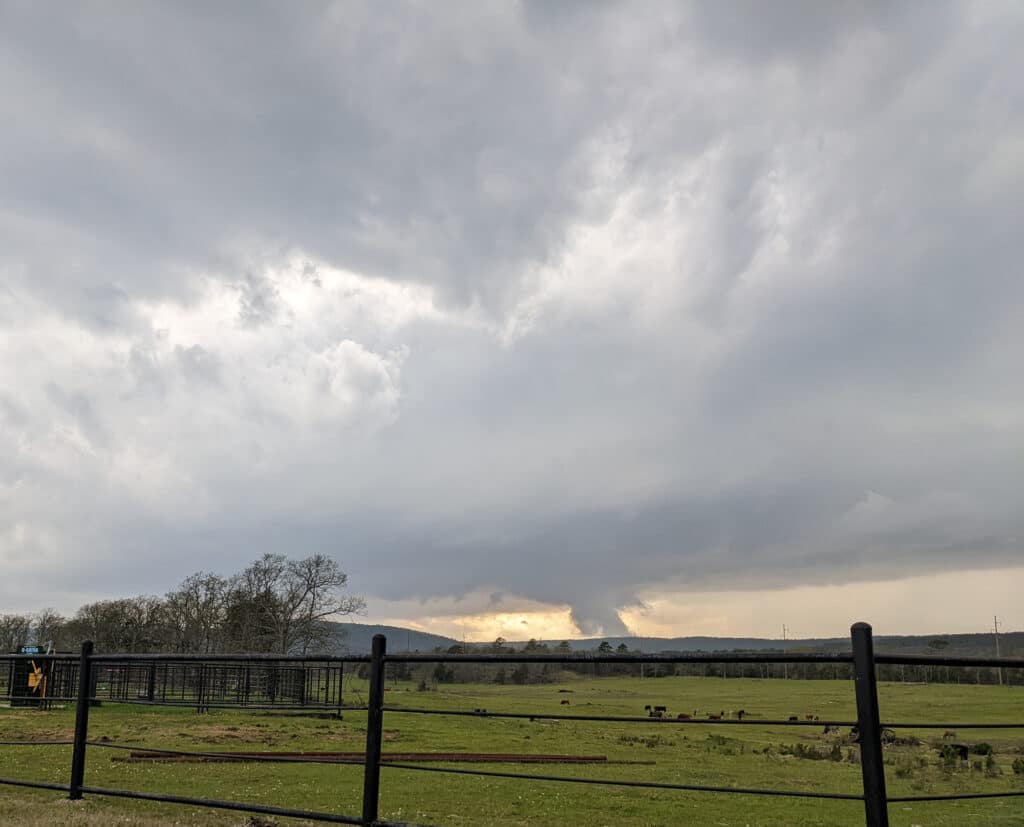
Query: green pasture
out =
(742, 756)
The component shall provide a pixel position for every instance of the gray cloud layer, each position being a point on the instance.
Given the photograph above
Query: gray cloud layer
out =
(554, 300)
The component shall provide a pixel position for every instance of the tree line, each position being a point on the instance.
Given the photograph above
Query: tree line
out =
(539, 673)
(275, 605)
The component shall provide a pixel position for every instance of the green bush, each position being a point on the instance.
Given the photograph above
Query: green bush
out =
(950, 757)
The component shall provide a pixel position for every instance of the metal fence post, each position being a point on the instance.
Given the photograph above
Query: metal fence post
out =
(869, 726)
(339, 679)
(200, 688)
(374, 731)
(81, 721)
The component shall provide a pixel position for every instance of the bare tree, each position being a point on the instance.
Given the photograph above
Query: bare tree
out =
(280, 605)
(14, 631)
(314, 588)
(253, 614)
(196, 612)
(50, 627)
(144, 627)
(275, 605)
(96, 622)
(135, 624)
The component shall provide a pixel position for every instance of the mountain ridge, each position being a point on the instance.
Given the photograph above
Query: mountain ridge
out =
(356, 638)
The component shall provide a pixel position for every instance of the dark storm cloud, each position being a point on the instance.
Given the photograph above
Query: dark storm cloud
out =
(559, 301)
(402, 145)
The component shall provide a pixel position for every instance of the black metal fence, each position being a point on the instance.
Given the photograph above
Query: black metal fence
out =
(136, 672)
(203, 681)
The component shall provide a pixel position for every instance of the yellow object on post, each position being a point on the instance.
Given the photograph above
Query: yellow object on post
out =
(37, 680)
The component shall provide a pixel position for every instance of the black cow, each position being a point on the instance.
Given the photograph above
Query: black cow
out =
(960, 750)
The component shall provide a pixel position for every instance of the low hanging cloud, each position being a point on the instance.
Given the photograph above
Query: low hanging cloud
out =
(567, 303)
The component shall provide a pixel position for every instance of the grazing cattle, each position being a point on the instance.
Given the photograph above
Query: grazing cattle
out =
(740, 714)
(656, 713)
(479, 711)
(794, 718)
(565, 702)
(948, 734)
(684, 716)
(716, 717)
(660, 709)
(563, 691)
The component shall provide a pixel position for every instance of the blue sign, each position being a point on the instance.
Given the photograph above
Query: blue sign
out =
(31, 650)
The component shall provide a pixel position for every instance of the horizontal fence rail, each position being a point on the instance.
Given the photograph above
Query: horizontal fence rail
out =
(691, 657)
(315, 682)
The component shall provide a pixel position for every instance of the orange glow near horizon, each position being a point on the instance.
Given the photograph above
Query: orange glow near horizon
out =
(542, 625)
(945, 603)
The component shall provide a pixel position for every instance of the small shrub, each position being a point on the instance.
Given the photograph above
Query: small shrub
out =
(836, 753)
(981, 749)
(804, 751)
(649, 741)
(950, 757)
(991, 767)
(904, 770)
(1018, 766)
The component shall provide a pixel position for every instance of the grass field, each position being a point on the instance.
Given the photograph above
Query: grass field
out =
(749, 756)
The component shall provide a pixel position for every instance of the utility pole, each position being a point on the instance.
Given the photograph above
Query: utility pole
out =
(785, 666)
(640, 639)
(995, 630)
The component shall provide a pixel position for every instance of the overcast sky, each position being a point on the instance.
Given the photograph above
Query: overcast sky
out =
(542, 318)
